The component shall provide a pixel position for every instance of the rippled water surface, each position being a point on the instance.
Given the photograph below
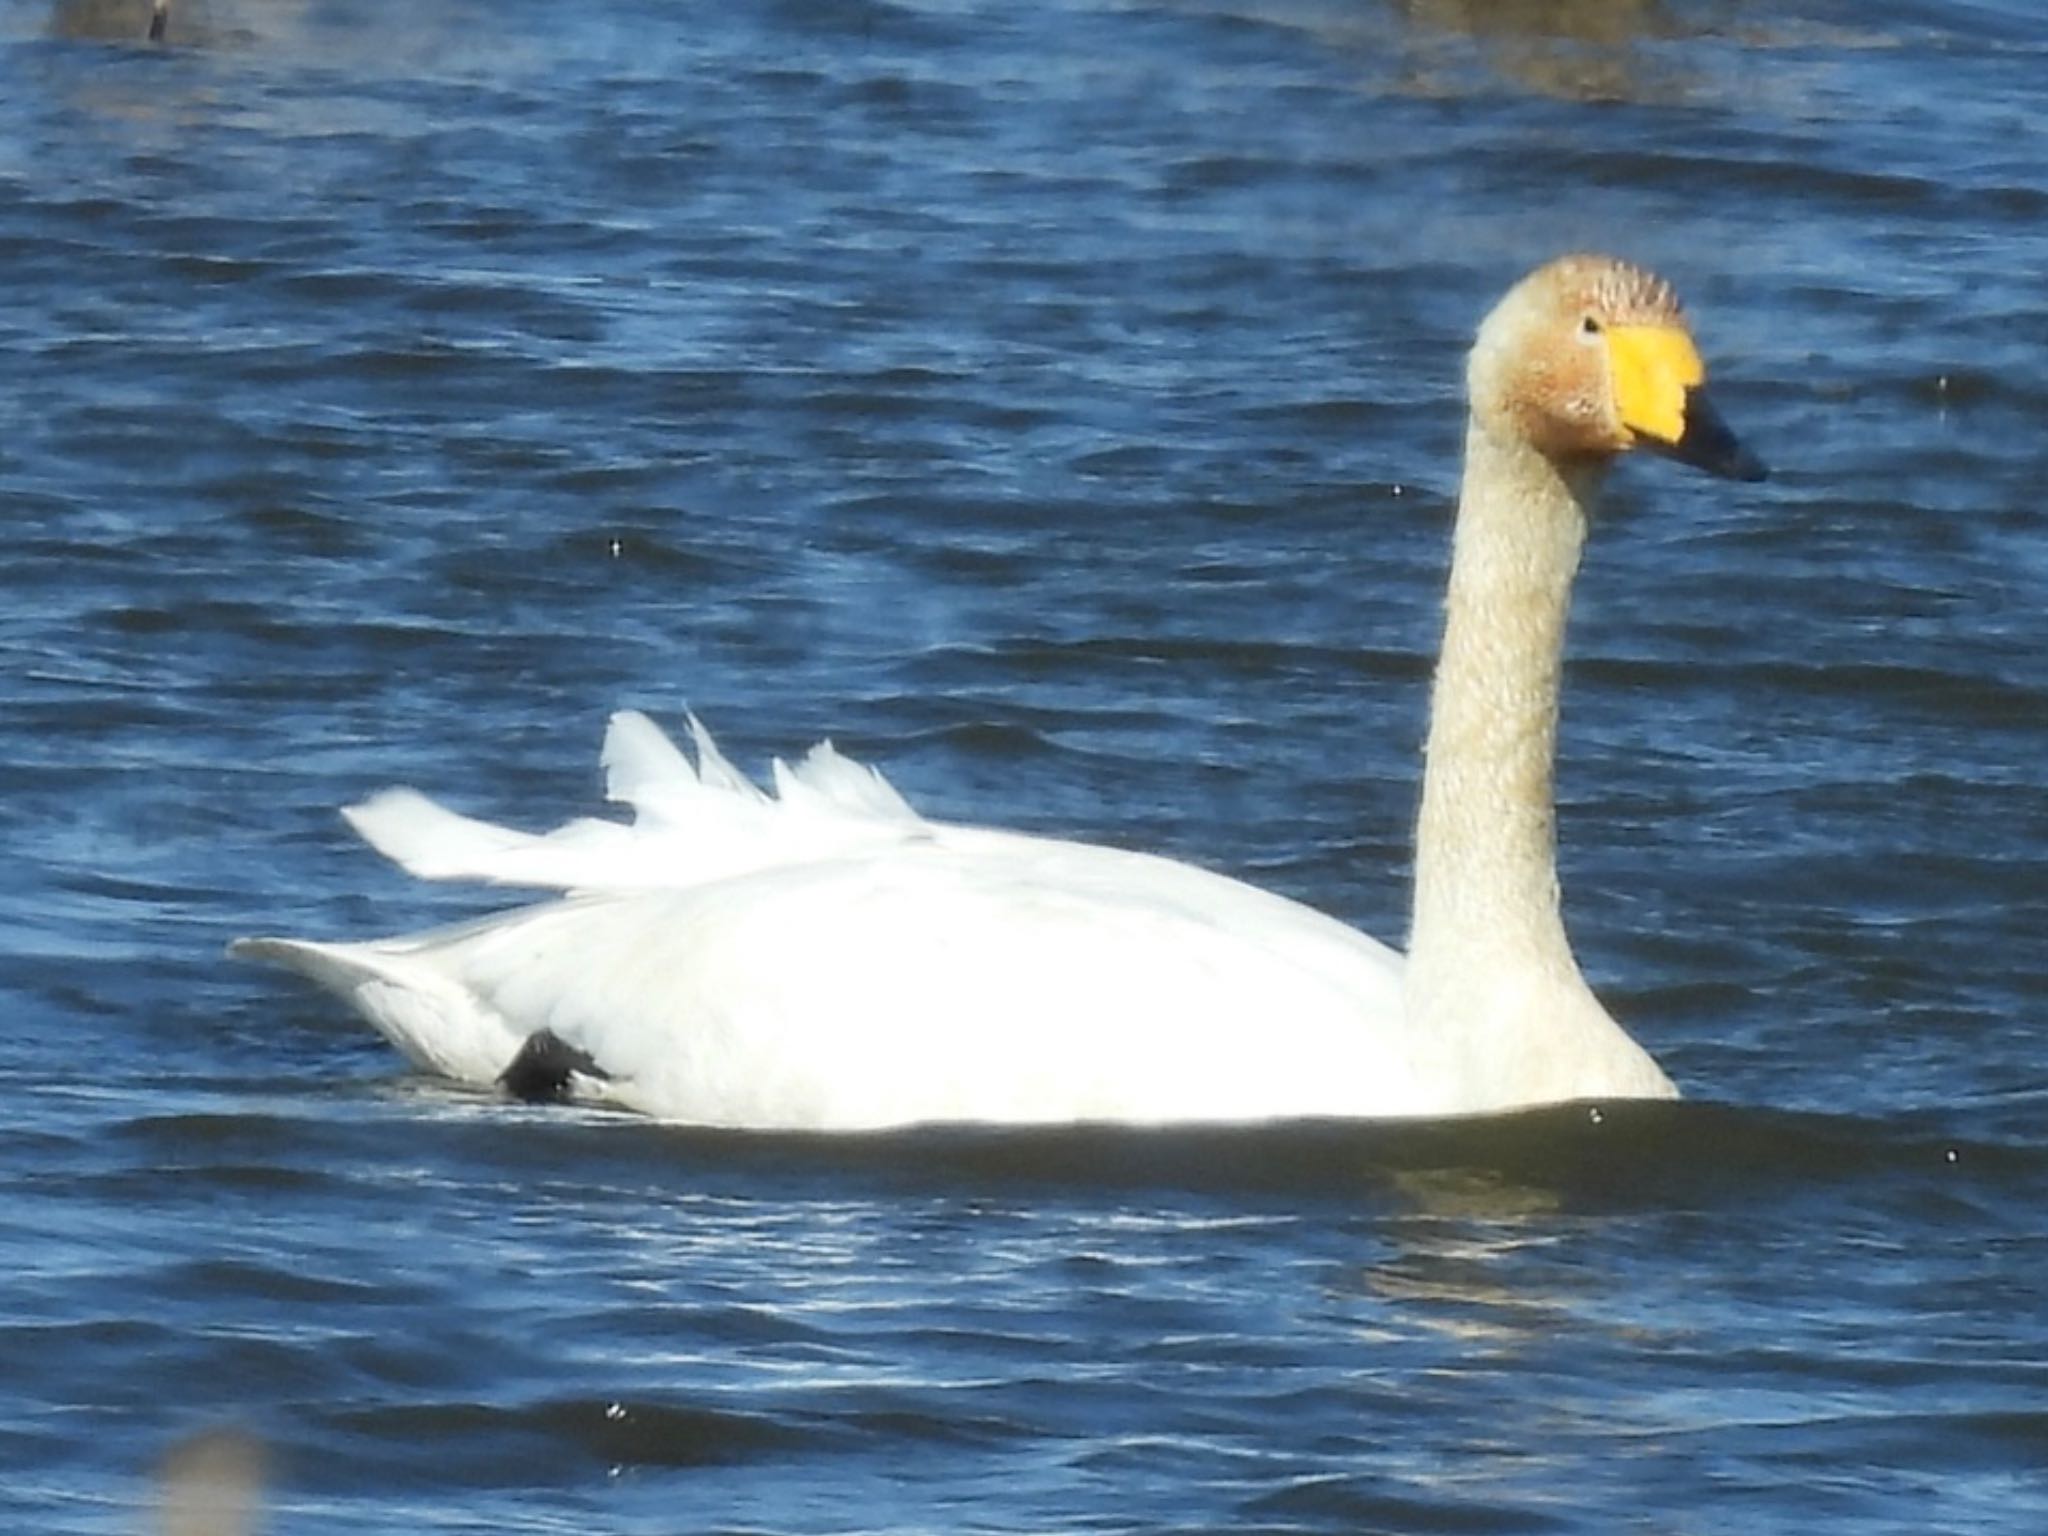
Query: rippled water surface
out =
(1058, 406)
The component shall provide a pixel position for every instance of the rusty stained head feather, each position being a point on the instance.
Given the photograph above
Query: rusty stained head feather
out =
(1623, 293)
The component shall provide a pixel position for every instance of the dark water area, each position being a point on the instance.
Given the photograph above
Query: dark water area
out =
(1058, 406)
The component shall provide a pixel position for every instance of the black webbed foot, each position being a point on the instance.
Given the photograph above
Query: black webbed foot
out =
(540, 1073)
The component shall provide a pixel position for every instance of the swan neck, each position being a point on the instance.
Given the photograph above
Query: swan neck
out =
(1486, 860)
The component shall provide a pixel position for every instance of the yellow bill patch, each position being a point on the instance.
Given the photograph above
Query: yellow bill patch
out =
(1654, 365)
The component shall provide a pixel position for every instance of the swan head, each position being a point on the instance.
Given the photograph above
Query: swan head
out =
(1588, 358)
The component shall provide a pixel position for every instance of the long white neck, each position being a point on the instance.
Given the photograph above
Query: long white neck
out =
(1491, 977)
(1486, 845)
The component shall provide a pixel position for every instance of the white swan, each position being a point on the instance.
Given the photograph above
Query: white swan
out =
(827, 959)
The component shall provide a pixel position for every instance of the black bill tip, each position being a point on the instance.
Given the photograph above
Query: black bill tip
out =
(1709, 443)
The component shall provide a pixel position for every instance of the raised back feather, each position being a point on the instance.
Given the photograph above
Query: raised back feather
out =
(691, 824)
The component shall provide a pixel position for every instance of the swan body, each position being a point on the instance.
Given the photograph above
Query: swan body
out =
(829, 959)
(826, 959)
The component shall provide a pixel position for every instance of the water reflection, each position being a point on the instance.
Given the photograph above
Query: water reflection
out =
(211, 1485)
(1576, 50)
(369, 34)
(1470, 1282)
(373, 38)
(184, 24)
(102, 20)
(1610, 23)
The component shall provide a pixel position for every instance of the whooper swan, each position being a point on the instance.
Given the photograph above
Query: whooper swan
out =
(827, 959)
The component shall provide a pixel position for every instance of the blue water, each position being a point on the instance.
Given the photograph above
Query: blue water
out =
(1057, 406)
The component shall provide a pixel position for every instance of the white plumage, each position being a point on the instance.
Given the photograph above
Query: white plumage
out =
(825, 958)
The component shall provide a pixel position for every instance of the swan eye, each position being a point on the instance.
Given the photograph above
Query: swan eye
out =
(1589, 326)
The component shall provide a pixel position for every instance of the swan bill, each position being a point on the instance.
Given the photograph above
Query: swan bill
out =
(1660, 393)
(1653, 369)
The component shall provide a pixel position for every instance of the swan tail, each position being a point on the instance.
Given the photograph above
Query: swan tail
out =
(431, 842)
(437, 1024)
